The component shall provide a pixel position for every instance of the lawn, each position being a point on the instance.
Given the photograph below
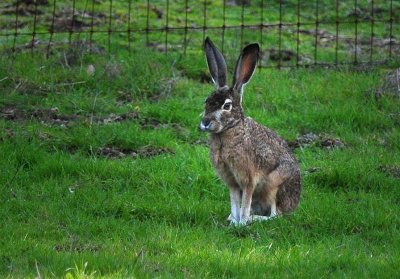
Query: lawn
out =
(105, 174)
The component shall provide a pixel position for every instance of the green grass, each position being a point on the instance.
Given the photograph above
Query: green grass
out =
(335, 44)
(67, 210)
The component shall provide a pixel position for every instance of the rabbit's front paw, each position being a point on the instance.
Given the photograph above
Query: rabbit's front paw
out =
(234, 222)
(244, 221)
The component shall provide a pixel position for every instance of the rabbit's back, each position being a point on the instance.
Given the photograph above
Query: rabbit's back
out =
(267, 148)
(273, 155)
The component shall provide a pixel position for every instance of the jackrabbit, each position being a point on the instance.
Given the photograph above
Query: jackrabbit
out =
(257, 165)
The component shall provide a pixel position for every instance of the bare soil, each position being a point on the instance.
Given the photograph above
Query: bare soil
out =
(113, 152)
(321, 140)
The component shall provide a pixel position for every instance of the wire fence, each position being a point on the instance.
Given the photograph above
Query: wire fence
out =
(291, 33)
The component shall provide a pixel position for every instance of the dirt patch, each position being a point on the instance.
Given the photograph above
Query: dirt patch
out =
(327, 39)
(32, 2)
(10, 25)
(72, 54)
(205, 142)
(201, 76)
(144, 122)
(12, 113)
(75, 245)
(113, 152)
(158, 12)
(113, 70)
(205, 78)
(124, 98)
(234, 3)
(312, 170)
(311, 139)
(330, 143)
(7, 134)
(392, 170)
(52, 116)
(153, 123)
(156, 97)
(68, 25)
(24, 9)
(69, 20)
(79, 248)
(282, 56)
(390, 85)
(32, 44)
(366, 13)
(112, 118)
(143, 214)
(47, 116)
(160, 47)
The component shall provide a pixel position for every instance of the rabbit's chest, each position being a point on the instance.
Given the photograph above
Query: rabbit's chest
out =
(233, 165)
(229, 158)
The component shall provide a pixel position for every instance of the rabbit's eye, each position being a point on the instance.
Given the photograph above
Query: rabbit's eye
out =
(227, 106)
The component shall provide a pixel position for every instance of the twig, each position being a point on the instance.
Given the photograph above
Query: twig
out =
(39, 276)
(3, 79)
(93, 107)
(70, 83)
(20, 166)
(66, 61)
(15, 175)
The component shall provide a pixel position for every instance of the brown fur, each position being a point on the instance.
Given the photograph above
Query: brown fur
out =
(255, 159)
(262, 175)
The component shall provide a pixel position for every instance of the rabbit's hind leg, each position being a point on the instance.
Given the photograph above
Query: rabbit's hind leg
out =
(260, 218)
(263, 211)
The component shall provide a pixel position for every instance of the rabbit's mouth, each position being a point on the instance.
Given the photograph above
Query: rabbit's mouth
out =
(210, 126)
(219, 125)
(203, 127)
(206, 126)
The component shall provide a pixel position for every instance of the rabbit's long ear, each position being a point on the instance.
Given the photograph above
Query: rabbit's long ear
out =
(245, 66)
(216, 63)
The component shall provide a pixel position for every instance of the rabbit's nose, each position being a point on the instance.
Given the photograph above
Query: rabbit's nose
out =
(205, 124)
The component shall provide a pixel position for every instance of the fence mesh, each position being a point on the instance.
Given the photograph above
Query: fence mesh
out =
(291, 32)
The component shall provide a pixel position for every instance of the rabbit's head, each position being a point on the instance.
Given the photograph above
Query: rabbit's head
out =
(223, 108)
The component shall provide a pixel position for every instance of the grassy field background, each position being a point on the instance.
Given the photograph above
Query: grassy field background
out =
(104, 174)
(289, 27)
